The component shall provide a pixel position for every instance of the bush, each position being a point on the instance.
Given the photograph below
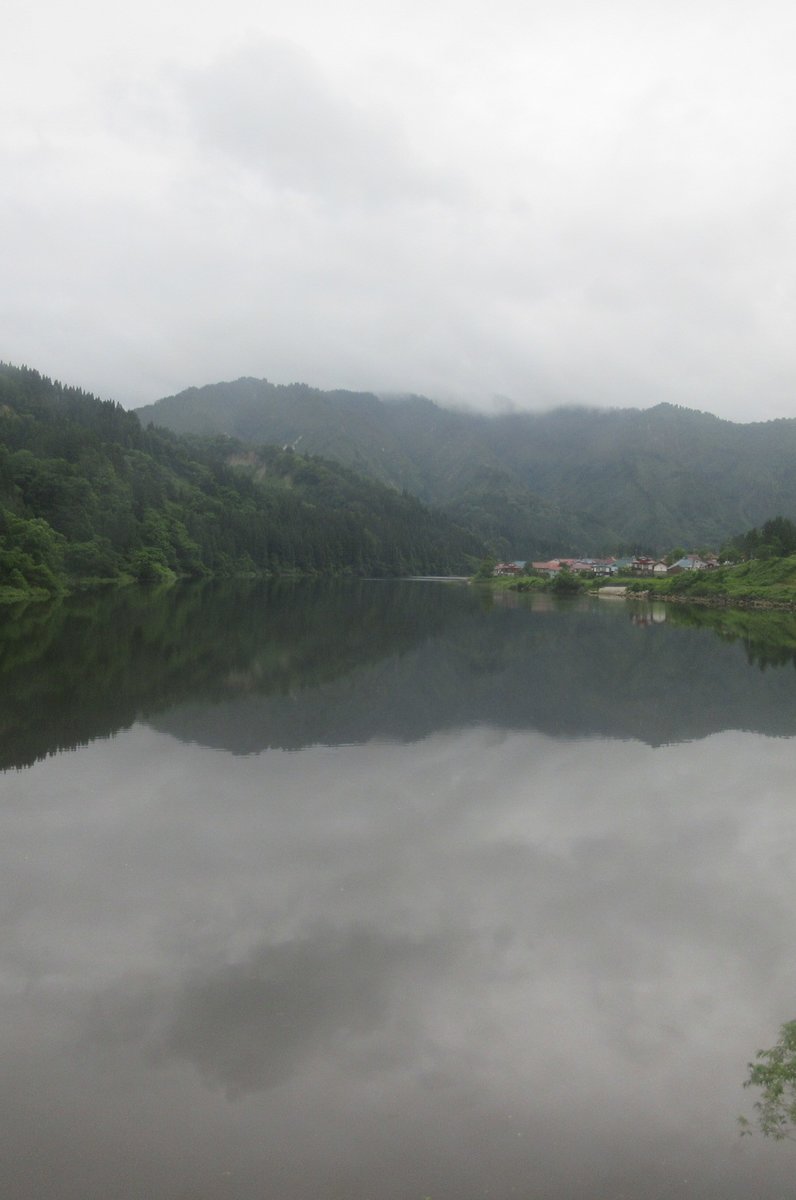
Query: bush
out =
(147, 566)
(566, 584)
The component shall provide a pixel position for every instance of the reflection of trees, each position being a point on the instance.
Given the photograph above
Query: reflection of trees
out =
(774, 1073)
(86, 667)
(769, 637)
(246, 666)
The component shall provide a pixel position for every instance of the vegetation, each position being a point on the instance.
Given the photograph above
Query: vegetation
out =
(774, 1072)
(517, 583)
(771, 581)
(564, 584)
(88, 495)
(530, 484)
(775, 539)
(767, 582)
(769, 637)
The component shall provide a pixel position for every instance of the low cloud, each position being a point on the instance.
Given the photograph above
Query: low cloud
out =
(553, 205)
(270, 109)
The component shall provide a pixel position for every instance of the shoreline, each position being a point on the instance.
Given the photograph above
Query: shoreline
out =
(624, 592)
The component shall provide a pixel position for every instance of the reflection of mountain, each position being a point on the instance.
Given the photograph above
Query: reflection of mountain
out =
(89, 667)
(570, 672)
(245, 667)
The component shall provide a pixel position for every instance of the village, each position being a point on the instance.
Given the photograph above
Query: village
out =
(635, 565)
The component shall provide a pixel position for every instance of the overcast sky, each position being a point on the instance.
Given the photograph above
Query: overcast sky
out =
(546, 200)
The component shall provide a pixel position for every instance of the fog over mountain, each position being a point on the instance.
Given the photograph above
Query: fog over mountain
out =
(572, 479)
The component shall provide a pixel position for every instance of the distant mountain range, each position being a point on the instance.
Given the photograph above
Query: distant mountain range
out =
(571, 480)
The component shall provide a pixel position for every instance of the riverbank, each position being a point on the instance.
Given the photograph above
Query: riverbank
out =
(765, 585)
(725, 602)
(770, 583)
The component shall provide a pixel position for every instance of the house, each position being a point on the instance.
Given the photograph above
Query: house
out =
(550, 568)
(691, 562)
(508, 568)
(595, 566)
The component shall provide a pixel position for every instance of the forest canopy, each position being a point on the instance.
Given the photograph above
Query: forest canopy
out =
(88, 494)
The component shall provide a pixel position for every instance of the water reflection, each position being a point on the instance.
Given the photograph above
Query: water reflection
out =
(487, 963)
(246, 667)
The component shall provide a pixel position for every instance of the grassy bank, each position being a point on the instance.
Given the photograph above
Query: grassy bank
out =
(768, 583)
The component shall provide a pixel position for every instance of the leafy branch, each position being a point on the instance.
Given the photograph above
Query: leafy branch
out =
(774, 1072)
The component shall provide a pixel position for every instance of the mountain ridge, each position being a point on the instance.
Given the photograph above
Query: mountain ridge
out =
(88, 494)
(571, 479)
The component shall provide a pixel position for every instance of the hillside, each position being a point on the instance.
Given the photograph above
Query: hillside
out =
(573, 479)
(440, 455)
(87, 494)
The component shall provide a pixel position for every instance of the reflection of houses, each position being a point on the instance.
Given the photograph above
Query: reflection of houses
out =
(649, 614)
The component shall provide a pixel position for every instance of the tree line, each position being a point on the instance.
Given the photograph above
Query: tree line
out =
(88, 494)
(776, 538)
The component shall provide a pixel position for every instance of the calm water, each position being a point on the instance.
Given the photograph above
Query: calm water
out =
(387, 892)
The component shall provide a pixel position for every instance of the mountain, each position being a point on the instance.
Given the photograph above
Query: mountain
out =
(575, 479)
(87, 493)
(440, 455)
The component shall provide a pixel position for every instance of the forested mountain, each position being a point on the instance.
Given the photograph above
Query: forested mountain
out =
(87, 493)
(572, 479)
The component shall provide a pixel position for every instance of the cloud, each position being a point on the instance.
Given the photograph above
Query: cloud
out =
(270, 109)
(551, 203)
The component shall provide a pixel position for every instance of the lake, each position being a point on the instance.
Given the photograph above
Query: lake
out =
(392, 890)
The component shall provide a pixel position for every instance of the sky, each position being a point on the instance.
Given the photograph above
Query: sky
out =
(522, 203)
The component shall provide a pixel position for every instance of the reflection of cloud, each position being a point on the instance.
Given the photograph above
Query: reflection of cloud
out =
(250, 1025)
(454, 958)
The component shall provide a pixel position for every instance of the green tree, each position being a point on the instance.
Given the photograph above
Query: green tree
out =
(774, 1072)
(565, 583)
(485, 568)
(147, 566)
